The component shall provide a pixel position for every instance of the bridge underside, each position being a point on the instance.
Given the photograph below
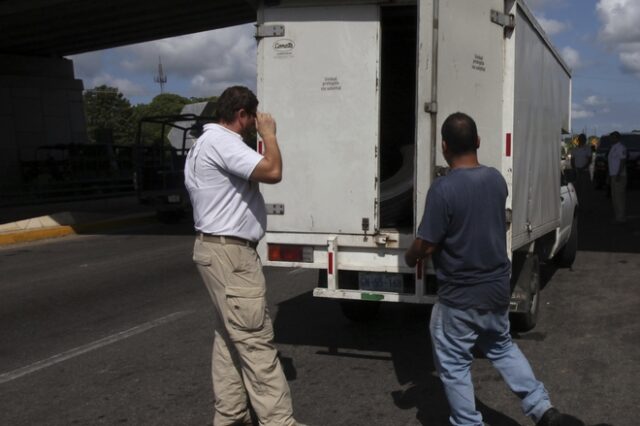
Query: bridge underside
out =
(40, 98)
(65, 27)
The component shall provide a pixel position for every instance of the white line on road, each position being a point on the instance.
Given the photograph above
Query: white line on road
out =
(12, 375)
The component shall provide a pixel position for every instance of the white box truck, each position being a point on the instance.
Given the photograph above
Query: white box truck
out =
(360, 90)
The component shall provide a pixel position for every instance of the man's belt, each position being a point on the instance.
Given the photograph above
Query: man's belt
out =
(223, 239)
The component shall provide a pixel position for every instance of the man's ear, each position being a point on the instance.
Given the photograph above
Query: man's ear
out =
(445, 147)
(478, 143)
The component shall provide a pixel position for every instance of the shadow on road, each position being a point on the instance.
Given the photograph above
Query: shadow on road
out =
(400, 331)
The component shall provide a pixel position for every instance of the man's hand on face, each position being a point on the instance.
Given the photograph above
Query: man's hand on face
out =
(265, 125)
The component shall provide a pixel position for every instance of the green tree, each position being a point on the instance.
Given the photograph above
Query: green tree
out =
(162, 105)
(109, 116)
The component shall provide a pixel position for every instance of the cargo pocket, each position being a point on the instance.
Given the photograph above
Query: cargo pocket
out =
(246, 307)
(203, 259)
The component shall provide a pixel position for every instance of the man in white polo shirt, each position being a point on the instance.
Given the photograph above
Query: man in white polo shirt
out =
(222, 175)
(617, 162)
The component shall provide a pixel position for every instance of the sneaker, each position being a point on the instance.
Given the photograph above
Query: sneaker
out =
(551, 417)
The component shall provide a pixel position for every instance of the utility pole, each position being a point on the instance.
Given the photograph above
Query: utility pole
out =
(161, 77)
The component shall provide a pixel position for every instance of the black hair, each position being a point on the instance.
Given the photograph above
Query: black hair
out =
(234, 99)
(615, 136)
(582, 139)
(461, 134)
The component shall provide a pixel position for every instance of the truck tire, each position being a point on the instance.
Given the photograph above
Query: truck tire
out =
(359, 310)
(567, 254)
(529, 279)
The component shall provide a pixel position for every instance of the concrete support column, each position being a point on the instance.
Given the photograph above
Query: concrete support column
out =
(40, 104)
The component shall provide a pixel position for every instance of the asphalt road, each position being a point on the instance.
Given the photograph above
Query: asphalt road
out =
(116, 329)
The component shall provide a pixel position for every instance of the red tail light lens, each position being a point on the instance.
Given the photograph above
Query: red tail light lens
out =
(290, 253)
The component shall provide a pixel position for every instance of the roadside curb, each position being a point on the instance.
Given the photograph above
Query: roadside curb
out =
(8, 238)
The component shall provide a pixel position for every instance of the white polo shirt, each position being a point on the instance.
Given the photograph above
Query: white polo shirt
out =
(617, 153)
(216, 174)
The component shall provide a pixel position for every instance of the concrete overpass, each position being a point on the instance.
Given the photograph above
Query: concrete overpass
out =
(40, 99)
(56, 28)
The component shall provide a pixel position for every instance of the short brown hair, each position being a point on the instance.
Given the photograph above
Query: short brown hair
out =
(234, 99)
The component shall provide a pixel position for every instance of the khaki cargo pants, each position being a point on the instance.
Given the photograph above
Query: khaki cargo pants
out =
(244, 360)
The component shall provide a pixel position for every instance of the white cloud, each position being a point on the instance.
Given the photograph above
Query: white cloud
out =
(87, 65)
(620, 19)
(591, 106)
(621, 32)
(631, 61)
(578, 112)
(127, 87)
(210, 60)
(552, 26)
(571, 57)
(594, 101)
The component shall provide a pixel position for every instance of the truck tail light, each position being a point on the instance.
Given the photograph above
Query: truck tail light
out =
(290, 253)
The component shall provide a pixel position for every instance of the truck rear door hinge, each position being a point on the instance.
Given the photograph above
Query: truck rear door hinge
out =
(263, 31)
(503, 19)
(431, 107)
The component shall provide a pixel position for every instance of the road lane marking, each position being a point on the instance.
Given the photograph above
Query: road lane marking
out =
(45, 363)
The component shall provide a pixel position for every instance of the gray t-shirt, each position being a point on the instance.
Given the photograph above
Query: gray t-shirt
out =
(465, 216)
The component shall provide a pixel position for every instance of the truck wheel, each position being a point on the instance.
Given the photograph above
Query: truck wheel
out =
(359, 310)
(529, 279)
(567, 254)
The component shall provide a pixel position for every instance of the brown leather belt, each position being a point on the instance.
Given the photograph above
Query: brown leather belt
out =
(223, 239)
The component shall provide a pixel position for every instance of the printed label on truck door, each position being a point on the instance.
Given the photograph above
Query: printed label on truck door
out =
(283, 48)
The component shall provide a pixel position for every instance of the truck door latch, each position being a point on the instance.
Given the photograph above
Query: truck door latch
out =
(431, 107)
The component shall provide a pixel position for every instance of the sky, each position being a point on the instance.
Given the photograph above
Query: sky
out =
(598, 39)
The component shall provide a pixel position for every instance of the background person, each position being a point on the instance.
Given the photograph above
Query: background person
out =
(464, 229)
(222, 175)
(580, 162)
(617, 162)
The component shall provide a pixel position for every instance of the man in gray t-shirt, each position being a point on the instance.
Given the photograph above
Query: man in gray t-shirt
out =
(464, 229)
(465, 214)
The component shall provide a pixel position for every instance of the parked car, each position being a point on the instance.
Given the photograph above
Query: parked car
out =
(601, 165)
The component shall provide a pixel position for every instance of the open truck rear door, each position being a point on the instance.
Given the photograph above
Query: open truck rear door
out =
(328, 60)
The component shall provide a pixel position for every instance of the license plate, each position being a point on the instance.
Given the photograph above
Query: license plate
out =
(173, 198)
(380, 281)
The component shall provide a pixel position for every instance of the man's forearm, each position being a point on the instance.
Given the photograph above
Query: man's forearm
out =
(419, 249)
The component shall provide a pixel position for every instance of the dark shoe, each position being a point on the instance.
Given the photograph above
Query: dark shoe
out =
(551, 417)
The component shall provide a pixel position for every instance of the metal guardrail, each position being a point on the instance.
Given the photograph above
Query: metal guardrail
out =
(66, 172)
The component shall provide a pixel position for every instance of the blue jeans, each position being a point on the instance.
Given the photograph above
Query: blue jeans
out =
(454, 333)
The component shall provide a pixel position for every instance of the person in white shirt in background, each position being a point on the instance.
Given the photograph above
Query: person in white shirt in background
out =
(617, 160)
(580, 162)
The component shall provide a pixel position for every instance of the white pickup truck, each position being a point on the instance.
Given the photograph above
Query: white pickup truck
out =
(360, 90)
